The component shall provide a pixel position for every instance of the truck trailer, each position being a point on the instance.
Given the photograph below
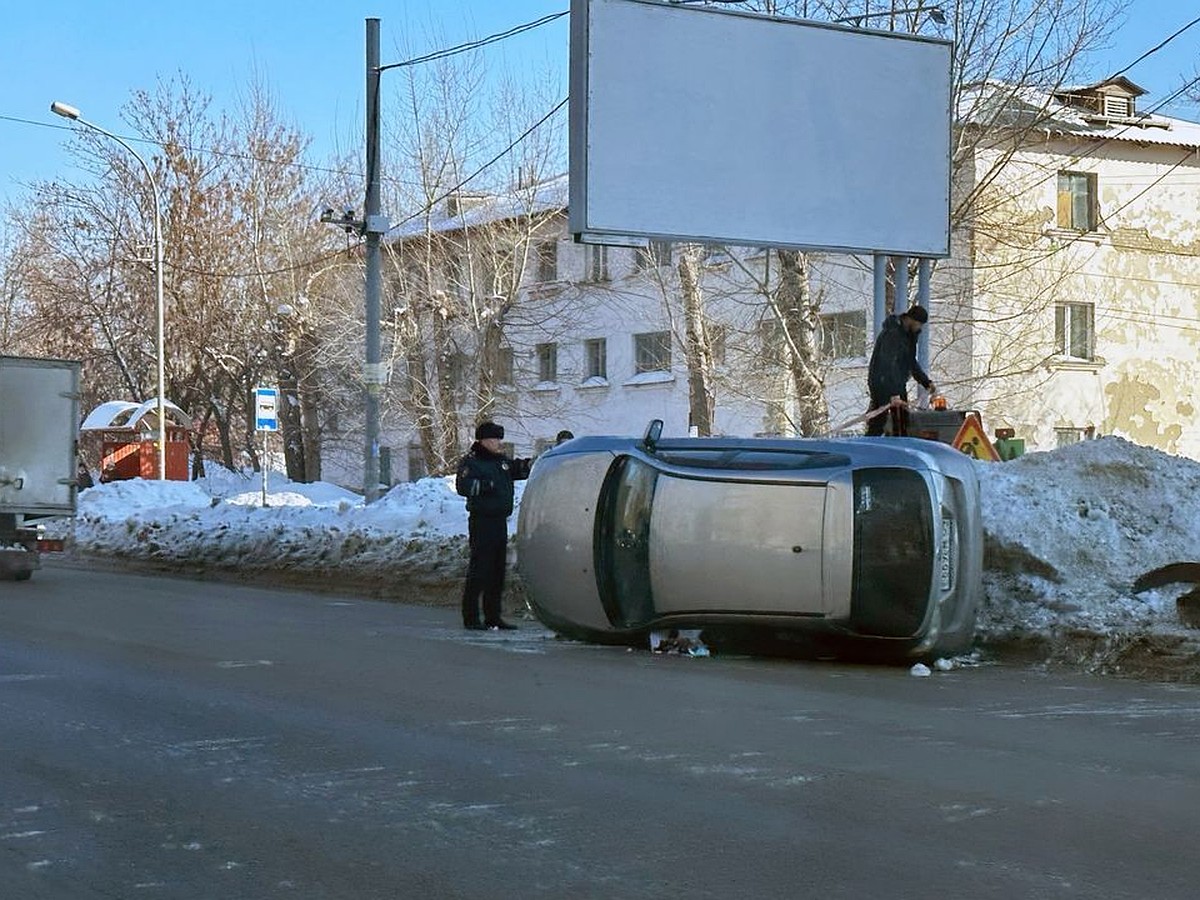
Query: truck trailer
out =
(39, 422)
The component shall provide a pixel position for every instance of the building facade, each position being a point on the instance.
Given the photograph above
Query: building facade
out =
(1069, 308)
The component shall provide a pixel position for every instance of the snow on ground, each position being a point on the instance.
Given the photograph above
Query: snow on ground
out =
(1067, 532)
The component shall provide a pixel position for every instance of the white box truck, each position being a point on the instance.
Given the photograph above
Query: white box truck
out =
(39, 424)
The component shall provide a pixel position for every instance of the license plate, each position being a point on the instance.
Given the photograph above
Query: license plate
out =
(946, 556)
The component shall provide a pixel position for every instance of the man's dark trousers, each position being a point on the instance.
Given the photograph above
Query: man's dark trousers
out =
(897, 415)
(488, 537)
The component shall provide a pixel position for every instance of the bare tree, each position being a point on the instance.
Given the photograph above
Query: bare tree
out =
(474, 178)
(236, 238)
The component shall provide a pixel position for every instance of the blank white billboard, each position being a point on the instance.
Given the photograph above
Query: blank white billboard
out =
(699, 124)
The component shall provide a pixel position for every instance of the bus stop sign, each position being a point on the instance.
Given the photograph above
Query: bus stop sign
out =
(266, 409)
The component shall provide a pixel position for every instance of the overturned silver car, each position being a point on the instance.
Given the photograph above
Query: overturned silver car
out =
(870, 544)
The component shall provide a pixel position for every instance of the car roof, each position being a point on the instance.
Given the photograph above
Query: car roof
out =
(856, 451)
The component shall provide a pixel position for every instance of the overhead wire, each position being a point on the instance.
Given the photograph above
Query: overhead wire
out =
(1155, 48)
(473, 45)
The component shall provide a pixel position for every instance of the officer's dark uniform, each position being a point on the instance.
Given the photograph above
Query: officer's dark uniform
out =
(486, 480)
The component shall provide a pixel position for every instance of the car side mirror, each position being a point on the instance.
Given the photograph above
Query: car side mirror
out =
(653, 433)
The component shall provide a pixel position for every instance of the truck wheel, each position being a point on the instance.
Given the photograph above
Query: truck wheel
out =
(23, 576)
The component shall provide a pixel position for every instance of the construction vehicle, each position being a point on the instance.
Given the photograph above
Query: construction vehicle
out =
(39, 421)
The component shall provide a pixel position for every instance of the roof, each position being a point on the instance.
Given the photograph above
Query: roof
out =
(543, 197)
(123, 415)
(1120, 81)
(994, 103)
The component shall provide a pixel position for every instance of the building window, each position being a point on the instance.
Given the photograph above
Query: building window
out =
(652, 352)
(547, 360)
(597, 269)
(657, 254)
(1077, 208)
(844, 335)
(1074, 330)
(1064, 437)
(547, 259)
(595, 358)
(505, 367)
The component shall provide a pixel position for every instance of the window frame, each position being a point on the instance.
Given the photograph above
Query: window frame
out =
(590, 346)
(1077, 198)
(547, 261)
(598, 269)
(1065, 330)
(547, 362)
(651, 357)
(506, 367)
(836, 336)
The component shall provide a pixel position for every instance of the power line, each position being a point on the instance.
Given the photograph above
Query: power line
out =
(429, 206)
(138, 139)
(472, 45)
(434, 202)
(1155, 48)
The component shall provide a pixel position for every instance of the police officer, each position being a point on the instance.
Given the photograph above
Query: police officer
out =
(485, 477)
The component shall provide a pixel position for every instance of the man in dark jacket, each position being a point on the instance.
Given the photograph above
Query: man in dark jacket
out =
(893, 360)
(485, 477)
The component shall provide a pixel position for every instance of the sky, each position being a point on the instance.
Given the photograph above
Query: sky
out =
(92, 54)
(1068, 532)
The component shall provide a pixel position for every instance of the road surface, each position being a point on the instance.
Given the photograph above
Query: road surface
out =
(169, 738)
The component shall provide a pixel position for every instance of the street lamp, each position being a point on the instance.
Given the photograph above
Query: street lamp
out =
(935, 13)
(70, 112)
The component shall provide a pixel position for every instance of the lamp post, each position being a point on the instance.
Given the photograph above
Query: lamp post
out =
(70, 112)
(935, 14)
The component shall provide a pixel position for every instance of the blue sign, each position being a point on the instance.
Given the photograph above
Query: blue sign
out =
(266, 409)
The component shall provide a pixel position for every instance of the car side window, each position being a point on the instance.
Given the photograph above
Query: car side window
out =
(623, 543)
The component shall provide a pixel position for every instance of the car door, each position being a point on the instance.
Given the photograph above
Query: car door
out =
(737, 547)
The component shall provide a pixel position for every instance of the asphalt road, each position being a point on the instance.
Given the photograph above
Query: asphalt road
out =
(167, 738)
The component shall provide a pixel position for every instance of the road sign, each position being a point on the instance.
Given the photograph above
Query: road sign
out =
(972, 440)
(266, 409)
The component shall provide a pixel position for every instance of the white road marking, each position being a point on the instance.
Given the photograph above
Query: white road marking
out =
(244, 663)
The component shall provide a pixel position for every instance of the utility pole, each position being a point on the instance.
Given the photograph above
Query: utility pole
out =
(375, 225)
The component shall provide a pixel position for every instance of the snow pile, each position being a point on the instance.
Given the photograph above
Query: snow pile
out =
(316, 528)
(1066, 533)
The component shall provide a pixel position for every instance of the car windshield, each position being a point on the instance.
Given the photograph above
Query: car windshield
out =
(893, 551)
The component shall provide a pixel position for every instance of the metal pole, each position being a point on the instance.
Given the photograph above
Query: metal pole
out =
(880, 291)
(262, 465)
(924, 271)
(374, 228)
(900, 304)
(70, 112)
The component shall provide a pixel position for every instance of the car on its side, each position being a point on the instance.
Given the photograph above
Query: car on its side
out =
(870, 543)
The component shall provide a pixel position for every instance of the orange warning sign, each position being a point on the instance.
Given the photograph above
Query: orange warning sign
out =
(972, 441)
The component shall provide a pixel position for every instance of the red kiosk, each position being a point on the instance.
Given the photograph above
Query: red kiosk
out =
(129, 439)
